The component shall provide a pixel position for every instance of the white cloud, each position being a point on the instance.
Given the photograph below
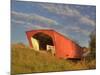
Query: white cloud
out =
(78, 29)
(35, 17)
(87, 20)
(17, 21)
(62, 29)
(52, 23)
(28, 25)
(60, 9)
(65, 11)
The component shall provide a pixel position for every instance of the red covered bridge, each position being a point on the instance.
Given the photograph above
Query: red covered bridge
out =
(61, 46)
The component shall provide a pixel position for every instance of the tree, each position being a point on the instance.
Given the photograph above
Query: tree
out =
(92, 45)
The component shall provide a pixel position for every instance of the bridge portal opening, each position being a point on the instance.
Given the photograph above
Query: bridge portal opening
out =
(41, 41)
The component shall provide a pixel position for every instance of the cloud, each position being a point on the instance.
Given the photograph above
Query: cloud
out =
(29, 25)
(62, 29)
(67, 29)
(46, 23)
(87, 20)
(17, 21)
(80, 30)
(66, 11)
(60, 9)
(33, 16)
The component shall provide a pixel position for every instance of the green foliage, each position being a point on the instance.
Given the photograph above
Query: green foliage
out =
(26, 60)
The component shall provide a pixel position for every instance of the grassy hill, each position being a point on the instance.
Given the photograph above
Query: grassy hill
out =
(26, 60)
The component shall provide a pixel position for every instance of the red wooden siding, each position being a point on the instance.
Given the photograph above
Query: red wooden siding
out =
(64, 47)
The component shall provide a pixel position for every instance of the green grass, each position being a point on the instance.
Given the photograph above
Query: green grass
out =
(26, 60)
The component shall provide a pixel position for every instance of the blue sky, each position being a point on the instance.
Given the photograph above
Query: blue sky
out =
(73, 21)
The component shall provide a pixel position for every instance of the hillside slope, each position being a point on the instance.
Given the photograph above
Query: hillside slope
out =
(26, 60)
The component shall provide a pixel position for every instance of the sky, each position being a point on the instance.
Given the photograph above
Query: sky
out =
(73, 21)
